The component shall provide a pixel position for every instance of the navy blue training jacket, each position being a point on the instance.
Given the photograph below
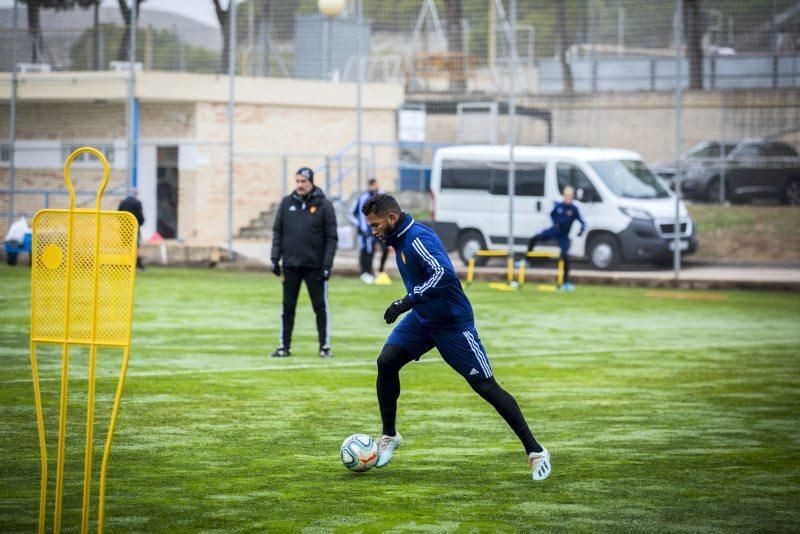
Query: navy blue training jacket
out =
(563, 215)
(429, 276)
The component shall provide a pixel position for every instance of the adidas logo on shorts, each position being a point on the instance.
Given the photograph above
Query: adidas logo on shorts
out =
(473, 372)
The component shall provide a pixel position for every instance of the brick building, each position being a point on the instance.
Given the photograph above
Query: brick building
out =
(280, 124)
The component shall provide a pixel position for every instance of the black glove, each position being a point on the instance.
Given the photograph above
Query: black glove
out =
(397, 308)
(276, 268)
(326, 274)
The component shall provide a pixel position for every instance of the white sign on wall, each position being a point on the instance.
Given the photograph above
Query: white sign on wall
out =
(411, 125)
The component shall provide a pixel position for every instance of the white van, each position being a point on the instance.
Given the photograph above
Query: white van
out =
(629, 211)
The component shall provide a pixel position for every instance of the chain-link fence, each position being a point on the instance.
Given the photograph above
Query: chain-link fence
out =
(707, 87)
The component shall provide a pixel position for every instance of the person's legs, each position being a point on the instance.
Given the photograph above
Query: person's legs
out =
(390, 361)
(318, 293)
(407, 342)
(564, 244)
(370, 249)
(292, 278)
(139, 264)
(507, 407)
(544, 235)
(532, 242)
(362, 260)
(464, 352)
(384, 256)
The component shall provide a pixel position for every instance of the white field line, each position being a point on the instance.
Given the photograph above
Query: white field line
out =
(371, 362)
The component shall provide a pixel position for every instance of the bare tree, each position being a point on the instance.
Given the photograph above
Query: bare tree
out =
(561, 29)
(223, 16)
(38, 52)
(262, 16)
(692, 24)
(124, 44)
(455, 45)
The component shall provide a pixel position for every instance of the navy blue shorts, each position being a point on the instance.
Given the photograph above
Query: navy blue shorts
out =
(553, 233)
(461, 349)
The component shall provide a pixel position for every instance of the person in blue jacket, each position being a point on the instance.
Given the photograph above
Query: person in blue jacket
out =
(563, 215)
(366, 241)
(440, 316)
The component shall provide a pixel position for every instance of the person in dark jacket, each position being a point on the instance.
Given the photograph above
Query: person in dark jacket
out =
(304, 239)
(438, 315)
(132, 205)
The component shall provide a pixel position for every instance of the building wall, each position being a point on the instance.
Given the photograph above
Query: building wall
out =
(264, 134)
(300, 122)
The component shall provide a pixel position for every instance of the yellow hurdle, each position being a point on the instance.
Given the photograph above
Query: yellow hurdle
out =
(551, 255)
(82, 278)
(491, 254)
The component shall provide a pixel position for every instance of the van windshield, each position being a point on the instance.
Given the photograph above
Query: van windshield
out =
(629, 179)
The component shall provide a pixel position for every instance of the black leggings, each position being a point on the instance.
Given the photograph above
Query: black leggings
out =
(293, 277)
(394, 357)
(365, 258)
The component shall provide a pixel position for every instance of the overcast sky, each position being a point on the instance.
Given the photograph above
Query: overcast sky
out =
(199, 10)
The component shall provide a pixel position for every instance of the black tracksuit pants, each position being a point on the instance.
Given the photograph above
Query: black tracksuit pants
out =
(293, 278)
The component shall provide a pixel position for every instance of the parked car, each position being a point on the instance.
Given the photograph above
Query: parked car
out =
(752, 168)
(630, 211)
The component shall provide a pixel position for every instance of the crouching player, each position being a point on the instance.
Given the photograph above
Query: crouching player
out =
(440, 316)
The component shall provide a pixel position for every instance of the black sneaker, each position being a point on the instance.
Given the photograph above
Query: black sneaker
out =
(280, 352)
(325, 352)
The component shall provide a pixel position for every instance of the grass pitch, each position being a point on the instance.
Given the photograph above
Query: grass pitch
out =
(661, 414)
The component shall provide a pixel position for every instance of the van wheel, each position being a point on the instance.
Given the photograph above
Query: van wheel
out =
(468, 244)
(604, 253)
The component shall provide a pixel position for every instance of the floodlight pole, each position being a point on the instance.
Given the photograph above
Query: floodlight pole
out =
(676, 254)
(12, 119)
(512, 134)
(231, 87)
(133, 115)
(359, 83)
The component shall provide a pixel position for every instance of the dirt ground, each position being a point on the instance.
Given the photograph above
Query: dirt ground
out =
(755, 233)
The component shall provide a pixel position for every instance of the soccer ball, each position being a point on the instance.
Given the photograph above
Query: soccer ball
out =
(359, 452)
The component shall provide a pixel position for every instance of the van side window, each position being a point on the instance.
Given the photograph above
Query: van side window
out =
(569, 174)
(474, 175)
(528, 179)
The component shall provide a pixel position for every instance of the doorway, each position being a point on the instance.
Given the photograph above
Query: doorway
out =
(167, 191)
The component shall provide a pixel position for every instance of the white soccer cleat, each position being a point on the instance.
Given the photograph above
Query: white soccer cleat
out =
(386, 448)
(540, 464)
(367, 278)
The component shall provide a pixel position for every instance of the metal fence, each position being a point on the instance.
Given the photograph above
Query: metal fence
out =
(658, 78)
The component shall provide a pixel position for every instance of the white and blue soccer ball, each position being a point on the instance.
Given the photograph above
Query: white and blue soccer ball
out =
(359, 452)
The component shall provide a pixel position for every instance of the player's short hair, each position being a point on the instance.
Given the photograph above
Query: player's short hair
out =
(569, 189)
(381, 205)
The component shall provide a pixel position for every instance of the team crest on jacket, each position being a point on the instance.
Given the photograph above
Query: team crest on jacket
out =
(312, 209)
(403, 256)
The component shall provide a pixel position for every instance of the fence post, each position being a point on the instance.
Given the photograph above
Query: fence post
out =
(713, 74)
(12, 121)
(653, 74)
(328, 174)
(285, 166)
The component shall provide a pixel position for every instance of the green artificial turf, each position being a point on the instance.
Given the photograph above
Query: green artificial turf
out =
(661, 414)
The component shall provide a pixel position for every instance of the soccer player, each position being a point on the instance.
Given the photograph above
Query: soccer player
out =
(563, 215)
(366, 241)
(440, 316)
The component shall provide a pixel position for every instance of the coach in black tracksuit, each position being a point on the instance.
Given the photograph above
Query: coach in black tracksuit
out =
(304, 238)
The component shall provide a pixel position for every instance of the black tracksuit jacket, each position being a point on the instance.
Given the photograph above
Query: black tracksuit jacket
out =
(304, 232)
